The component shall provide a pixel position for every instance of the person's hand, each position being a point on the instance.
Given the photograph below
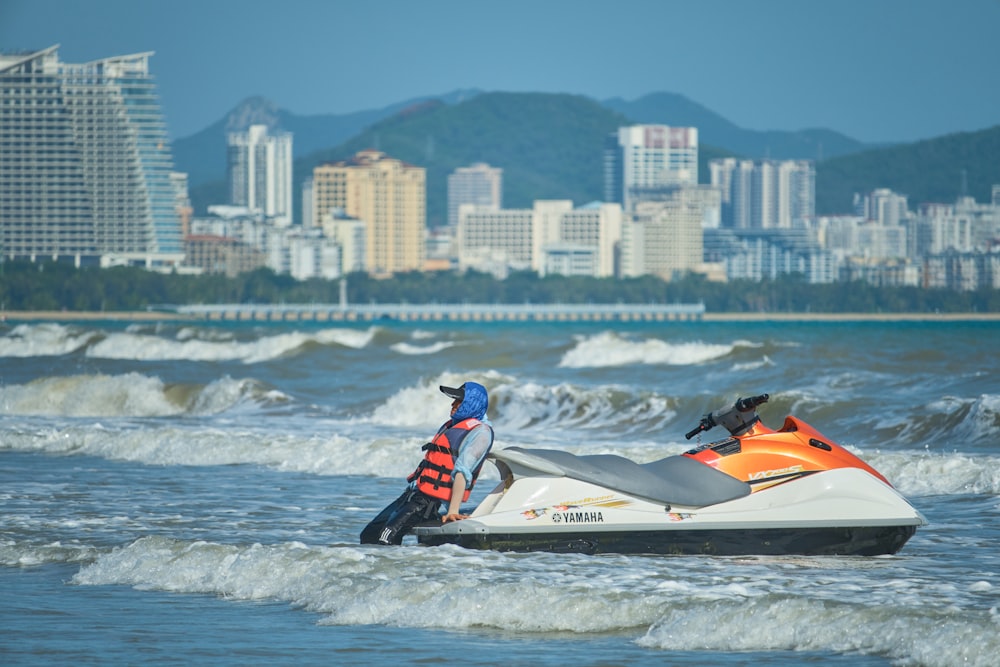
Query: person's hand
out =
(453, 517)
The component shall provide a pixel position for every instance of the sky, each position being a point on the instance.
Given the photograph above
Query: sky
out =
(875, 70)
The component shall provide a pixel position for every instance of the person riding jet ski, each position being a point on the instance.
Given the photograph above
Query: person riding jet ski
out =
(451, 465)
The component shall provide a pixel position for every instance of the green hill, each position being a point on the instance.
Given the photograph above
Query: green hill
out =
(713, 129)
(550, 147)
(935, 170)
(203, 154)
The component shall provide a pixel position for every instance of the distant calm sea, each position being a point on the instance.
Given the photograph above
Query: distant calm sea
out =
(193, 493)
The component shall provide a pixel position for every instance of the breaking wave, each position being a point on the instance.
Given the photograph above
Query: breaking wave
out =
(187, 344)
(129, 395)
(44, 340)
(611, 349)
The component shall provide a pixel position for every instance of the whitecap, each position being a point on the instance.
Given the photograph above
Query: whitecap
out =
(409, 348)
(128, 395)
(143, 347)
(42, 340)
(610, 349)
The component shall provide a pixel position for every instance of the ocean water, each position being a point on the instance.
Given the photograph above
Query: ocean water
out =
(192, 493)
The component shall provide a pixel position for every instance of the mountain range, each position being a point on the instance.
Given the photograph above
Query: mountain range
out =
(550, 147)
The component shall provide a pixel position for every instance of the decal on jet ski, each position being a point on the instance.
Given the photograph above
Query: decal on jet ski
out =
(780, 472)
(678, 516)
(577, 517)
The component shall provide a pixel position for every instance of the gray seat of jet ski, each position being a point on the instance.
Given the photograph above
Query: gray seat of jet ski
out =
(674, 480)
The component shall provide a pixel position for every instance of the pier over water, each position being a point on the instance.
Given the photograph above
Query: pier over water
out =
(471, 312)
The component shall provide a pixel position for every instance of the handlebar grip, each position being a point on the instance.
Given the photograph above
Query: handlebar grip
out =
(751, 402)
(706, 424)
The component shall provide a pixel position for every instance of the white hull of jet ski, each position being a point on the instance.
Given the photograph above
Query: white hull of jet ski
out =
(844, 511)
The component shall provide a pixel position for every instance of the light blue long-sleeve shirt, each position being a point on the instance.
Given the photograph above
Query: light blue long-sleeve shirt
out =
(475, 446)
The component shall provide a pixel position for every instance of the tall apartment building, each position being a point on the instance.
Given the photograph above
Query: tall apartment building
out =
(390, 196)
(764, 194)
(85, 162)
(884, 207)
(664, 238)
(648, 156)
(260, 173)
(480, 185)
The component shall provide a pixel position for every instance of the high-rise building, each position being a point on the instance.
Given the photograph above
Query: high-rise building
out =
(648, 156)
(764, 194)
(480, 185)
(884, 207)
(664, 238)
(85, 162)
(390, 196)
(260, 173)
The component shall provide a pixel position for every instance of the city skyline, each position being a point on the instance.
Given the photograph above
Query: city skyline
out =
(112, 103)
(889, 71)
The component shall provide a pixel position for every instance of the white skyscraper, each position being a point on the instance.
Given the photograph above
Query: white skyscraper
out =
(764, 194)
(480, 184)
(648, 157)
(85, 162)
(260, 173)
(886, 207)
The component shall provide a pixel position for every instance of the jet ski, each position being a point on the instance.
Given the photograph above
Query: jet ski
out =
(756, 492)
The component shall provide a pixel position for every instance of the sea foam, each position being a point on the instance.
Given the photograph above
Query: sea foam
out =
(671, 604)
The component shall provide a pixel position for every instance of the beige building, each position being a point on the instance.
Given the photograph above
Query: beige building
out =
(664, 238)
(390, 196)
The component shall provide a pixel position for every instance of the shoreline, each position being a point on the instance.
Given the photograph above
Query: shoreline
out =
(851, 317)
(153, 316)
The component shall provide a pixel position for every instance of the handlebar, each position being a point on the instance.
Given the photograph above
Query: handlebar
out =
(751, 402)
(707, 423)
(702, 426)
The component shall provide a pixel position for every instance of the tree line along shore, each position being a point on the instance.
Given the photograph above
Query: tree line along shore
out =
(64, 290)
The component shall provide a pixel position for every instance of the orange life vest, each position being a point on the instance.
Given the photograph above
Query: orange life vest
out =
(434, 474)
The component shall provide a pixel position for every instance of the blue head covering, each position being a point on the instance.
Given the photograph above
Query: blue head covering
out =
(475, 402)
